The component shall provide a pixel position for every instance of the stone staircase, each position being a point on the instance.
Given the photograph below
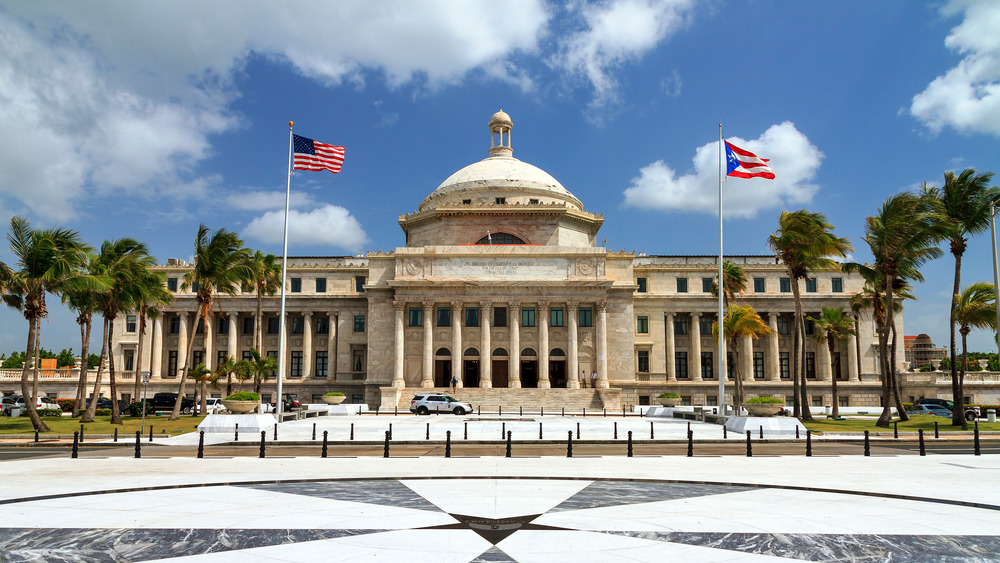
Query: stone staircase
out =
(533, 400)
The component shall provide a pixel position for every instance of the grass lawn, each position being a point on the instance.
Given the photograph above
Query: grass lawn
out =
(101, 425)
(924, 421)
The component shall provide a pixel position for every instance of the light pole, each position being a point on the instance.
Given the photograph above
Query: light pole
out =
(145, 381)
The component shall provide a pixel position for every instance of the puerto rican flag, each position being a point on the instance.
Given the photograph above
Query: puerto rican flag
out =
(745, 164)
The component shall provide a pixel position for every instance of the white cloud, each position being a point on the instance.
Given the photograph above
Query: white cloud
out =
(329, 225)
(793, 159)
(615, 33)
(256, 200)
(967, 97)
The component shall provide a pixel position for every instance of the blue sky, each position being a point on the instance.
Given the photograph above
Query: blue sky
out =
(145, 119)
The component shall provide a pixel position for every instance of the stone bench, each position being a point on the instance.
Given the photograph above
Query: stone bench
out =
(294, 415)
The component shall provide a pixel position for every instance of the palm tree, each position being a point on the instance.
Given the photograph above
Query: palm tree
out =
(48, 261)
(84, 302)
(265, 276)
(805, 244)
(258, 368)
(220, 265)
(152, 296)
(833, 326)
(975, 307)
(734, 282)
(740, 321)
(229, 367)
(902, 236)
(125, 262)
(965, 204)
(201, 374)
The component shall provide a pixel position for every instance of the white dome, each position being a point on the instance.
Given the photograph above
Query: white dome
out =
(500, 174)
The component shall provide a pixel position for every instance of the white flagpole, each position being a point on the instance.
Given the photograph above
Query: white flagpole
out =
(284, 272)
(722, 340)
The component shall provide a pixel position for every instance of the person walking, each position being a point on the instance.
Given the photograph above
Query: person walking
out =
(593, 379)
(454, 384)
(583, 379)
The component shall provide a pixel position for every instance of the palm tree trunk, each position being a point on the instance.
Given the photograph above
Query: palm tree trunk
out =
(29, 405)
(258, 320)
(81, 388)
(831, 343)
(896, 393)
(800, 328)
(116, 415)
(796, 407)
(738, 379)
(35, 362)
(857, 342)
(883, 345)
(176, 414)
(88, 415)
(957, 417)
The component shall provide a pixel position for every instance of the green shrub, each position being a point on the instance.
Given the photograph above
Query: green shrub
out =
(135, 409)
(66, 404)
(333, 394)
(244, 396)
(50, 412)
(103, 412)
(668, 396)
(764, 401)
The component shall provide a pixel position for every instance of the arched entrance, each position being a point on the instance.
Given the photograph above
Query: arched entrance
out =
(499, 368)
(442, 368)
(529, 368)
(557, 368)
(470, 368)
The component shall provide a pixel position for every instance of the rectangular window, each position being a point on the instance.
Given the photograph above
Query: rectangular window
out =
(682, 285)
(586, 317)
(322, 363)
(705, 325)
(416, 316)
(811, 365)
(195, 287)
(172, 285)
(681, 365)
(556, 317)
(641, 282)
(247, 356)
(758, 365)
(295, 369)
(706, 285)
(320, 285)
(172, 363)
(322, 325)
(837, 285)
(758, 285)
(248, 325)
(174, 325)
(707, 366)
(500, 200)
(680, 326)
(201, 327)
(730, 366)
(784, 365)
(642, 325)
(844, 401)
(527, 316)
(359, 284)
(499, 316)
(817, 400)
(785, 285)
(810, 327)
(130, 323)
(197, 357)
(128, 357)
(444, 316)
(273, 354)
(472, 316)
(273, 325)
(220, 357)
(296, 285)
(298, 325)
(784, 327)
(711, 400)
(223, 326)
(357, 360)
(642, 365)
(359, 323)
(810, 285)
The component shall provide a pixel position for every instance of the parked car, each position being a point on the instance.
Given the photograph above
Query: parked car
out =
(936, 410)
(426, 404)
(40, 402)
(213, 405)
(166, 401)
(102, 403)
(290, 401)
(971, 413)
(266, 408)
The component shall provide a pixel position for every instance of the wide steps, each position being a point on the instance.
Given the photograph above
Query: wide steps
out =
(510, 400)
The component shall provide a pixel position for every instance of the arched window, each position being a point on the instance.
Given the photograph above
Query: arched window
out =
(443, 352)
(472, 352)
(500, 238)
(528, 352)
(557, 352)
(499, 352)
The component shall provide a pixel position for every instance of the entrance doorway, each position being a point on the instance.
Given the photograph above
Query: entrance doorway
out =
(529, 373)
(470, 373)
(500, 376)
(442, 373)
(557, 374)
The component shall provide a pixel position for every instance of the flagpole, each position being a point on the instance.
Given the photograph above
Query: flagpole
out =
(284, 273)
(721, 323)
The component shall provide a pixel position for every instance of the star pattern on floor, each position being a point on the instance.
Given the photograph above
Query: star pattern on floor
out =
(491, 520)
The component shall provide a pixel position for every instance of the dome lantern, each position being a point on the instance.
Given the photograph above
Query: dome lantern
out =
(500, 124)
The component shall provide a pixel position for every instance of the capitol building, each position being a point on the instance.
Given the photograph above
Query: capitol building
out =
(501, 283)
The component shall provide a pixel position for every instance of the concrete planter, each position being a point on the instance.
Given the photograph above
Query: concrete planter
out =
(333, 399)
(763, 409)
(669, 401)
(240, 407)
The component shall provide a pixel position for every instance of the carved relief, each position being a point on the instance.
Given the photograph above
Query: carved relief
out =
(414, 267)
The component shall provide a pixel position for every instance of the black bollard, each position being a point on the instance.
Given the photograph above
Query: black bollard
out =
(263, 440)
(465, 435)
(447, 444)
(386, 452)
(569, 443)
(629, 443)
(520, 411)
(975, 440)
(395, 410)
(237, 437)
(539, 430)
(479, 409)
(577, 430)
(275, 431)
(936, 435)
(116, 435)
(81, 433)
(201, 444)
(323, 453)
(376, 410)
(796, 431)
(36, 434)
(689, 426)
(352, 431)
(605, 412)
(541, 411)
(390, 431)
(920, 436)
(564, 411)
(503, 430)
(895, 429)
(725, 434)
(868, 446)
(650, 430)
(508, 444)
(616, 431)
(690, 443)
(584, 412)
(749, 447)
(76, 446)
(500, 411)
(428, 435)
(138, 444)
(809, 443)
(314, 432)
(761, 430)
(150, 432)
(623, 412)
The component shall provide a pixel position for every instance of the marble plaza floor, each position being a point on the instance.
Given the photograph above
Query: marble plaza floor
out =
(647, 508)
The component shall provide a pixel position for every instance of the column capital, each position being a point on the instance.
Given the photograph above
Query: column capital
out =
(486, 307)
(572, 305)
(602, 306)
(695, 315)
(399, 305)
(543, 307)
(514, 306)
(427, 305)
(456, 304)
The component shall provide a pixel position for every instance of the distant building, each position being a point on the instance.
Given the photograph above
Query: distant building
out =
(920, 351)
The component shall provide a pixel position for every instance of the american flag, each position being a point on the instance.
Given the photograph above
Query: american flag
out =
(313, 155)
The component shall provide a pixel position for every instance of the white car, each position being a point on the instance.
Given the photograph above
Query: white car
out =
(213, 405)
(435, 402)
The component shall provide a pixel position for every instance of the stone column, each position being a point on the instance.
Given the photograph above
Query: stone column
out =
(307, 344)
(209, 343)
(332, 344)
(573, 356)
(427, 377)
(233, 346)
(746, 357)
(486, 352)
(602, 344)
(456, 342)
(773, 340)
(824, 370)
(182, 343)
(670, 347)
(514, 319)
(397, 365)
(695, 363)
(852, 359)
(543, 346)
(156, 354)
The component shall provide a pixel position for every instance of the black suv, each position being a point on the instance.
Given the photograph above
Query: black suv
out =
(971, 413)
(165, 402)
